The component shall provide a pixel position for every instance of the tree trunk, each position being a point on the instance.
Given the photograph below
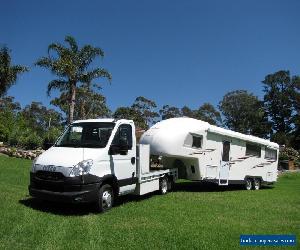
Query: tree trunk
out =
(83, 109)
(291, 165)
(82, 104)
(72, 101)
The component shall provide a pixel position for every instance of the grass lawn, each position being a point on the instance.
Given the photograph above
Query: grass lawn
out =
(194, 216)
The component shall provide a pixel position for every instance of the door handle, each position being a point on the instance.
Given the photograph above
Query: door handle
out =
(132, 160)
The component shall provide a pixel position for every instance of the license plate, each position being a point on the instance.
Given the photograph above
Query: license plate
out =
(49, 168)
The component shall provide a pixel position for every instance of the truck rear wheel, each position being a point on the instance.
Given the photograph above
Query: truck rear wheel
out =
(163, 185)
(248, 184)
(105, 198)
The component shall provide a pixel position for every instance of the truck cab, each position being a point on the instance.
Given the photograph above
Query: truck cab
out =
(96, 160)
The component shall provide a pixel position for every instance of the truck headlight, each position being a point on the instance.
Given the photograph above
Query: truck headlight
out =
(81, 168)
(34, 165)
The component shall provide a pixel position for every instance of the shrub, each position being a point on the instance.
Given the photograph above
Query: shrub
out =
(13, 139)
(289, 154)
(51, 137)
(33, 141)
(27, 140)
(4, 133)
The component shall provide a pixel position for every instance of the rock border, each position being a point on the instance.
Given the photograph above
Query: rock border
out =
(20, 153)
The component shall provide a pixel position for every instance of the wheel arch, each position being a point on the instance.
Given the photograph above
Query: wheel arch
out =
(112, 181)
(252, 177)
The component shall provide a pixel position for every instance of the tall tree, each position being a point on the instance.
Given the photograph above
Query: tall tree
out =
(72, 66)
(141, 112)
(146, 108)
(187, 112)
(41, 119)
(244, 112)
(89, 104)
(168, 112)
(8, 114)
(130, 114)
(296, 118)
(8, 73)
(279, 89)
(208, 113)
(124, 113)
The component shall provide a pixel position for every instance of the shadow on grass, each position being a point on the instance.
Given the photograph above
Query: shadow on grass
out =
(208, 187)
(66, 209)
(80, 209)
(69, 209)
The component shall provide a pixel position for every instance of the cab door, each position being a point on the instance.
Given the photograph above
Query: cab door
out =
(123, 162)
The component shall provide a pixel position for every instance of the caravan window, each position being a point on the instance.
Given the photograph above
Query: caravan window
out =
(253, 150)
(271, 154)
(197, 141)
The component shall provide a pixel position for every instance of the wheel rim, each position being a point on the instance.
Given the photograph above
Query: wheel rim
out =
(248, 184)
(256, 184)
(164, 186)
(106, 199)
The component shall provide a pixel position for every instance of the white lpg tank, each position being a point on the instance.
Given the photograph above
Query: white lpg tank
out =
(173, 137)
(174, 140)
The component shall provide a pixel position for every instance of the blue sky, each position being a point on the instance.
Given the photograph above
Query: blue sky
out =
(173, 52)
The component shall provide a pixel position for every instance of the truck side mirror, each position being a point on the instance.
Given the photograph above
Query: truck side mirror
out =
(113, 150)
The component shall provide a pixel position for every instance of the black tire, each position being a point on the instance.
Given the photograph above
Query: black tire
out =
(105, 199)
(163, 185)
(256, 184)
(248, 184)
(171, 184)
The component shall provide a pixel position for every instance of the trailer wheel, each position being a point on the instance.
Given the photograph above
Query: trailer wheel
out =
(256, 184)
(248, 184)
(163, 185)
(105, 198)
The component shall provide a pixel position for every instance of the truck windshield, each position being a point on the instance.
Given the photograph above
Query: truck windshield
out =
(86, 135)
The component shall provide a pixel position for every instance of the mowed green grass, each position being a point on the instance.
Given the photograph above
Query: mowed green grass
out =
(194, 216)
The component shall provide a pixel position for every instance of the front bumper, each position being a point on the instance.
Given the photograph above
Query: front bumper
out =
(88, 195)
(68, 189)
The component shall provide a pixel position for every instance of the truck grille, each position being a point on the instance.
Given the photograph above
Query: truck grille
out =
(55, 187)
(53, 181)
(51, 176)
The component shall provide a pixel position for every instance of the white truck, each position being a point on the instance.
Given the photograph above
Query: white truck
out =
(97, 160)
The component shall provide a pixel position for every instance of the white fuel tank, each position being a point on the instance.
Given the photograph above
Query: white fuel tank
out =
(174, 137)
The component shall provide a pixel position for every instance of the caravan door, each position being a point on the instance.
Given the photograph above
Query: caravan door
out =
(225, 164)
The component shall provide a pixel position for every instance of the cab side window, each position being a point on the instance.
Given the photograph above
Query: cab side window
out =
(124, 131)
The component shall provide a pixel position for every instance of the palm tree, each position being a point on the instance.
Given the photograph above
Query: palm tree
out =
(71, 65)
(8, 73)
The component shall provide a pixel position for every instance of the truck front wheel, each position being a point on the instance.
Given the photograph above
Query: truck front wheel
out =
(105, 198)
(163, 185)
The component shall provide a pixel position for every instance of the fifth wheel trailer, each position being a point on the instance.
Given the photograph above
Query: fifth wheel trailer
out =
(97, 160)
(203, 152)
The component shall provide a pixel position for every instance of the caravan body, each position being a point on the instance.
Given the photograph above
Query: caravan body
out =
(203, 152)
